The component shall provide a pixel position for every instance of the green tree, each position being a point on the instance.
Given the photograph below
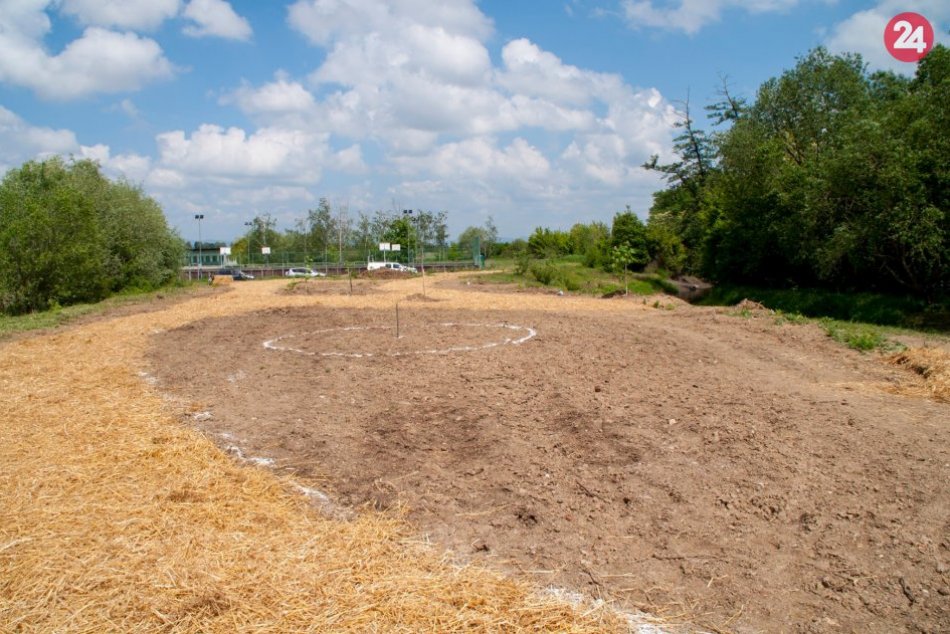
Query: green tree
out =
(621, 257)
(628, 230)
(68, 234)
(491, 236)
(832, 177)
(321, 228)
(400, 231)
(548, 243)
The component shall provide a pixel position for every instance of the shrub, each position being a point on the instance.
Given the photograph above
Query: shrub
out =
(544, 272)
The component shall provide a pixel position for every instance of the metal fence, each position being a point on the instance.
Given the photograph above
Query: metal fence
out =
(270, 271)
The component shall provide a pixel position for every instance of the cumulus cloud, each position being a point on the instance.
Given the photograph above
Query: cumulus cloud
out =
(279, 97)
(480, 157)
(124, 14)
(98, 61)
(269, 195)
(133, 167)
(325, 21)
(690, 16)
(216, 152)
(20, 141)
(863, 32)
(215, 18)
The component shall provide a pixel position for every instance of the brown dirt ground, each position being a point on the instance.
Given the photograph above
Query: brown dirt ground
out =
(750, 475)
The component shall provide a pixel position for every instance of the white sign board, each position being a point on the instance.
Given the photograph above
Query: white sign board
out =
(395, 247)
(384, 246)
(265, 250)
(225, 250)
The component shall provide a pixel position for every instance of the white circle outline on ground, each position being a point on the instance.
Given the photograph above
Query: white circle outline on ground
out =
(271, 344)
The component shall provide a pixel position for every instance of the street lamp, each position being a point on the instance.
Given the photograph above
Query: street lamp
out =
(249, 224)
(199, 218)
(407, 214)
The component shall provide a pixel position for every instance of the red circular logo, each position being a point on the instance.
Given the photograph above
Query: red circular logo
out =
(909, 37)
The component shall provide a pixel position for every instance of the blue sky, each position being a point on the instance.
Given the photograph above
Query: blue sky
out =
(536, 113)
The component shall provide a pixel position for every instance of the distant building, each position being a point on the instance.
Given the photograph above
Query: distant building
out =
(209, 253)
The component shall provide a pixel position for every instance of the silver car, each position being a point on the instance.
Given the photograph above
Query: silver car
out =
(298, 272)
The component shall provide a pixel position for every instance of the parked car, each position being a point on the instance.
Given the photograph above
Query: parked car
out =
(298, 272)
(236, 274)
(390, 266)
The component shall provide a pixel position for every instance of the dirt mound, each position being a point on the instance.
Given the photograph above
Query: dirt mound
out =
(329, 287)
(384, 274)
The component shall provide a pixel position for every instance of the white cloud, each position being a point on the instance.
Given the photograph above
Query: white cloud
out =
(165, 178)
(326, 21)
(863, 32)
(214, 152)
(124, 14)
(690, 16)
(531, 71)
(128, 107)
(280, 97)
(133, 167)
(98, 61)
(215, 18)
(20, 141)
(480, 158)
(269, 195)
(416, 79)
(350, 160)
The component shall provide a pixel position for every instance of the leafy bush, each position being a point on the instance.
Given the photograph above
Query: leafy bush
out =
(570, 282)
(544, 272)
(522, 264)
(69, 235)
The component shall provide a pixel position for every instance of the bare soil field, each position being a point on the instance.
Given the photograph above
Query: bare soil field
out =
(738, 474)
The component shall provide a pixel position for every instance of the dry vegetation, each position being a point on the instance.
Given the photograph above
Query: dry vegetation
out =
(932, 365)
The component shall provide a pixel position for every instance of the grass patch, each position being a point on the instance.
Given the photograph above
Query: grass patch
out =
(859, 336)
(58, 316)
(569, 274)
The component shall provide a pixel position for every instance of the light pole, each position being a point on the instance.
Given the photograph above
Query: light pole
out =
(249, 224)
(199, 218)
(407, 215)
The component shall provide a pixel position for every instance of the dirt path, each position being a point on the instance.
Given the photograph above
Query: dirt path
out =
(751, 475)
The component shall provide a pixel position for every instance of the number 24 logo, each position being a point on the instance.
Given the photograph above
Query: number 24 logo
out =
(909, 37)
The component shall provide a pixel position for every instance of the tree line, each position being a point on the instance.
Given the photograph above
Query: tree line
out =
(331, 233)
(68, 234)
(833, 177)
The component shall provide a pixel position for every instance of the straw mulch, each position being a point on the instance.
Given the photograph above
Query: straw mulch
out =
(932, 365)
(117, 518)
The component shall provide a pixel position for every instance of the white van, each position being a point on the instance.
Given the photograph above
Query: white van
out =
(390, 266)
